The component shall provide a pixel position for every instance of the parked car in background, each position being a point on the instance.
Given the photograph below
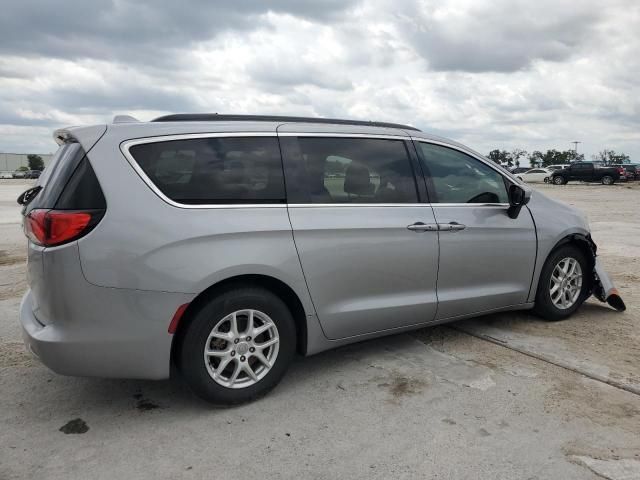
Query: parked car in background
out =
(32, 174)
(259, 253)
(586, 172)
(557, 166)
(536, 175)
(628, 171)
(20, 174)
(517, 170)
(6, 174)
(624, 177)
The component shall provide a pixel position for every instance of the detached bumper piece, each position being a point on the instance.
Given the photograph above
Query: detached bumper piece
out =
(604, 290)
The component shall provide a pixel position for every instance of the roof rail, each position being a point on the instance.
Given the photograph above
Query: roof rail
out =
(215, 117)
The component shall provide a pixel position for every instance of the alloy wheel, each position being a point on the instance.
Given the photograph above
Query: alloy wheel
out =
(566, 283)
(241, 349)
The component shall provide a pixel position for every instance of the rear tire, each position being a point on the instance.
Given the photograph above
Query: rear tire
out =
(210, 340)
(559, 180)
(607, 180)
(551, 304)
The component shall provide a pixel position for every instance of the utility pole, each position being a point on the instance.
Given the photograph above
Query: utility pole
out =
(575, 149)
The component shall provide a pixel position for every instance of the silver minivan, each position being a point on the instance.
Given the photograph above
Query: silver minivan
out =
(221, 245)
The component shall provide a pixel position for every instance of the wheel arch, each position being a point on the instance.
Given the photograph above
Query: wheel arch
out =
(274, 285)
(582, 242)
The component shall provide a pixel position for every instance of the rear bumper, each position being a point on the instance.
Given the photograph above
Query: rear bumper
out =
(106, 342)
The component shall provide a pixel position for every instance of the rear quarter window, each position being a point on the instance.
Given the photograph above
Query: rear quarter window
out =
(55, 177)
(216, 170)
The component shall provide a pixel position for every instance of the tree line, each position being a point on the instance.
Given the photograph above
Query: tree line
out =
(553, 157)
(35, 162)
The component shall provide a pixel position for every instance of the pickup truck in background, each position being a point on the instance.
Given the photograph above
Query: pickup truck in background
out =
(586, 172)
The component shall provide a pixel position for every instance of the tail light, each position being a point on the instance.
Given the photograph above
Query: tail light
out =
(56, 227)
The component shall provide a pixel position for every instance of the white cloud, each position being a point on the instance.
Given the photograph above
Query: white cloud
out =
(492, 74)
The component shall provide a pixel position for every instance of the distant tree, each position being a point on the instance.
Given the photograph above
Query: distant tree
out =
(602, 156)
(575, 156)
(621, 158)
(609, 157)
(536, 158)
(498, 156)
(23, 168)
(516, 154)
(507, 159)
(35, 162)
(553, 157)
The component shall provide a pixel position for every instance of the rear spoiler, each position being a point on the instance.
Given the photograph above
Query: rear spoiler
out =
(86, 136)
(63, 136)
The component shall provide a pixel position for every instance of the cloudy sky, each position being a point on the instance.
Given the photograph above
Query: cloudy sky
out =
(532, 74)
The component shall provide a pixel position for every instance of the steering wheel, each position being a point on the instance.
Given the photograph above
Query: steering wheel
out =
(485, 197)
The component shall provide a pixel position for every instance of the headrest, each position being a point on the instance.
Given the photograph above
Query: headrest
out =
(357, 180)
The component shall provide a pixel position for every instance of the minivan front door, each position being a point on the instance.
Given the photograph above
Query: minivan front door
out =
(486, 258)
(367, 246)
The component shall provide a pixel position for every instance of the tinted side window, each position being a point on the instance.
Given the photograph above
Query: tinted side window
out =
(581, 166)
(348, 170)
(459, 178)
(83, 191)
(214, 170)
(54, 178)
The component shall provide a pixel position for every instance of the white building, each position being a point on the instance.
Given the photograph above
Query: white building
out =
(12, 161)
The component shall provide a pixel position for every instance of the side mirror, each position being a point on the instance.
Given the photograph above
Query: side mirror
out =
(519, 196)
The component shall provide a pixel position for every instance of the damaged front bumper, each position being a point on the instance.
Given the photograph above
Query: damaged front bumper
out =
(604, 290)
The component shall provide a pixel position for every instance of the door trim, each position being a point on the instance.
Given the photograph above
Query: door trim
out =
(369, 205)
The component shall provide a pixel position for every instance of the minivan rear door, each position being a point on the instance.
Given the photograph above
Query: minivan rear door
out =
(367, 245)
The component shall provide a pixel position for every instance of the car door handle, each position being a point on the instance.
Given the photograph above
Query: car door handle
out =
(451, 227)
(423, 227)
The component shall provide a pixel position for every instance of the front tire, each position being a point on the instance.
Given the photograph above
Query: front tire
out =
(564, 284)
(237, 346)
